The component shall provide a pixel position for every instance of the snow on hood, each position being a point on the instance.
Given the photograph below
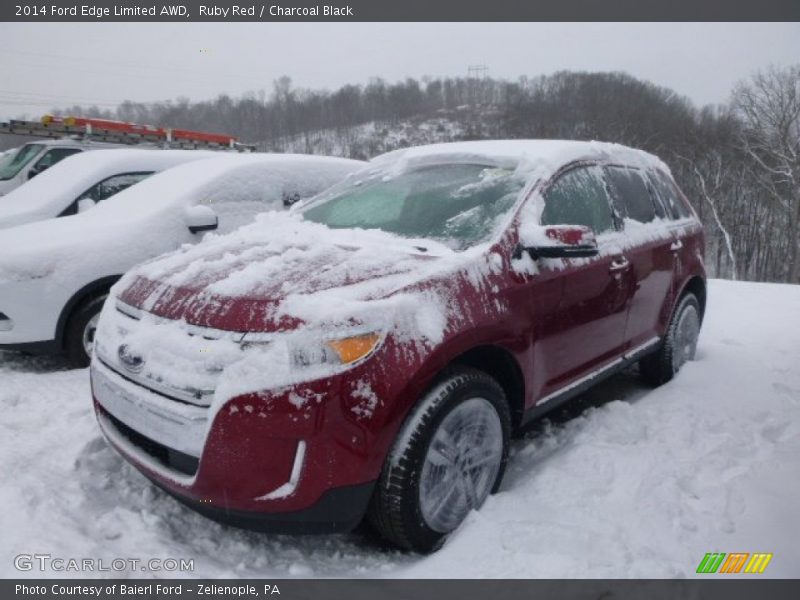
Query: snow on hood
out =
(53, 190)
(147, 219)
(282, 271)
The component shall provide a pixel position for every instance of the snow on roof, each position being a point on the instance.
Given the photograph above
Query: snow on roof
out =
(526, 155)
(240, 177)
(47, 194)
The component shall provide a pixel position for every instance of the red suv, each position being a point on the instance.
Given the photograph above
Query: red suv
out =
(370, 353)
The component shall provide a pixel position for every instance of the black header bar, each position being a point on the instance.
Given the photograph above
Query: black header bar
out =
(398, 10)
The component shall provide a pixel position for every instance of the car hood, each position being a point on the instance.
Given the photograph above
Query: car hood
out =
(80, 248)
(277, 285)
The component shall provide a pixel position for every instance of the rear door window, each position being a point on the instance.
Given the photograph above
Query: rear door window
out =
(631, 194)
(579, 197)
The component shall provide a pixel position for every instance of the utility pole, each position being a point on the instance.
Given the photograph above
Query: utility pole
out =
(477, 75)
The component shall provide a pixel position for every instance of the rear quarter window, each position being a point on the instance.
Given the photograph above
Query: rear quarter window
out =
(668, 194)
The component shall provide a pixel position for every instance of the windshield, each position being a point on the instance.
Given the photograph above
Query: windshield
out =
(10, 166)
(456, 204)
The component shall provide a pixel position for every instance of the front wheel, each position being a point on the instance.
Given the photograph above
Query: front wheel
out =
(80, 331)
(449, 456)
(679, 344)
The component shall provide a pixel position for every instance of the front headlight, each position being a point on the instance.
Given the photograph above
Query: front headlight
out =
(353, 348)
(308, 349)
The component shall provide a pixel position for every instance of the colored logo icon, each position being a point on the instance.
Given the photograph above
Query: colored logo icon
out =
(735, 562)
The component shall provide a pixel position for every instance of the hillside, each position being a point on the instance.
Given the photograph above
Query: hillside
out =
(366, 140)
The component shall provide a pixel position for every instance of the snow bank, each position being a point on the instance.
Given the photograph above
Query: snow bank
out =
(642, 484)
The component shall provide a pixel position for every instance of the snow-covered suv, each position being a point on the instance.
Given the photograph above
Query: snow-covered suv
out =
(371, 352)
(55, 274)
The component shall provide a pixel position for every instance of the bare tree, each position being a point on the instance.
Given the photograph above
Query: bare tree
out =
(769, 106)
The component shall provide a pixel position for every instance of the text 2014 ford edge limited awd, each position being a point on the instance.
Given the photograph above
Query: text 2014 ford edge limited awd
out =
(370, 354)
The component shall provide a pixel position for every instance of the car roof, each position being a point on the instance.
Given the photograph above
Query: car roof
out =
(533, 155)
(77, 143)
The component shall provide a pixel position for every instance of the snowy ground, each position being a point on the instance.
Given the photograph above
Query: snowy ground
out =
(628, 482)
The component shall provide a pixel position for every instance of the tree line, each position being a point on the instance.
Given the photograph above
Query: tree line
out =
(738, 162)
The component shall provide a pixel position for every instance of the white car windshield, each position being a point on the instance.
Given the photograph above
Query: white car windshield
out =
(13, 164)
(457, 204)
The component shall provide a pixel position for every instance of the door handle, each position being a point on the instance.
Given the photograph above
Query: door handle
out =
(619, 264)
(676, 245)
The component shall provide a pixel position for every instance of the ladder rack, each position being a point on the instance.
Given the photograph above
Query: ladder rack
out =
(119, 132)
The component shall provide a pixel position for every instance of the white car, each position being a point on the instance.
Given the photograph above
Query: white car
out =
(31, 159)
(79, 182)
(55, 274)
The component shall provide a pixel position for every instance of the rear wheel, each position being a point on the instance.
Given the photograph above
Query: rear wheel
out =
(80, 331)
(679, 344)
(449, 456)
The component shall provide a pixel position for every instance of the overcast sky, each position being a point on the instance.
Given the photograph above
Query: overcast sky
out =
(48, 64)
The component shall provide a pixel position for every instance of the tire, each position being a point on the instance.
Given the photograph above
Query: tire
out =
(80, 327)
(678, 346)
(464, 416)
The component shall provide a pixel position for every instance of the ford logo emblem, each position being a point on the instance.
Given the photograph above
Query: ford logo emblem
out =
(131, 361)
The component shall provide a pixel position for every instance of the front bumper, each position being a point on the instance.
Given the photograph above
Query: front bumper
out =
(261, 461)
(338, 510)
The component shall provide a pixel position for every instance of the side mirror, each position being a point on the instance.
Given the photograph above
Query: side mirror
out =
(85, 204)
(560, 241)
(201, 218)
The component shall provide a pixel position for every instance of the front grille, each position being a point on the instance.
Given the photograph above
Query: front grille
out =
(177, 461)
(184, 396)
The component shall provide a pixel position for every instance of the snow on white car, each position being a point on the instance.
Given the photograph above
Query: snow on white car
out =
(55, 274)
(79, 182)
